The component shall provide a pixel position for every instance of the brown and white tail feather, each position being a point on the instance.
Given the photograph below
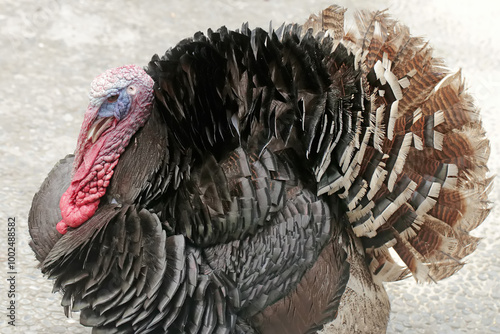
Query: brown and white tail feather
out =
(414, 175)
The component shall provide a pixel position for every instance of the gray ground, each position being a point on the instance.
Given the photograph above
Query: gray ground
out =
(50, 51)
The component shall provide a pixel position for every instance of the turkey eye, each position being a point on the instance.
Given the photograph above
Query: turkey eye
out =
(113, 98)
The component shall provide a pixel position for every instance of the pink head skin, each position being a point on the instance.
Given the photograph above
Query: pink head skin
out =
(120, 103)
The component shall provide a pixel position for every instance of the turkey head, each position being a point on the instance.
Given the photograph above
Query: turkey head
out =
(120, 103)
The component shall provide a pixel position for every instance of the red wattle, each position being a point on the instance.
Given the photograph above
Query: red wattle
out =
(61, 227)
(74, 215)
(89, 158)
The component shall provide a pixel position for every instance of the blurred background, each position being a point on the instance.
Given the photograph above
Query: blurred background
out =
(50, 50)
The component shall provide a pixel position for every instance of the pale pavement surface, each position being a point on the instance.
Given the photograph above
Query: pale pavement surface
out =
(51, 50)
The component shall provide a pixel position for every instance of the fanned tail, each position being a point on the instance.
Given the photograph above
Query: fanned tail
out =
(411, 164)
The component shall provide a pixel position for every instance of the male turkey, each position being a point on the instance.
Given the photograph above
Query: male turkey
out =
(261, 182)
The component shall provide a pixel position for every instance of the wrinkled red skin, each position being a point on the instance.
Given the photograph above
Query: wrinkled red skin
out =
(94, 162)
(81, 199)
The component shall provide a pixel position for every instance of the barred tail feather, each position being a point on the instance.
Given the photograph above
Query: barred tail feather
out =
(412, 167)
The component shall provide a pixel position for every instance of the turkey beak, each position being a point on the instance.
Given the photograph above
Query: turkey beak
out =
(100, 125)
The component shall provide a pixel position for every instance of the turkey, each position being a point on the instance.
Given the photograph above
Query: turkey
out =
(255, 181)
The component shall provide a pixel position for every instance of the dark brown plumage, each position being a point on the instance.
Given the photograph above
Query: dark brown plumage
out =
(266, 178)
